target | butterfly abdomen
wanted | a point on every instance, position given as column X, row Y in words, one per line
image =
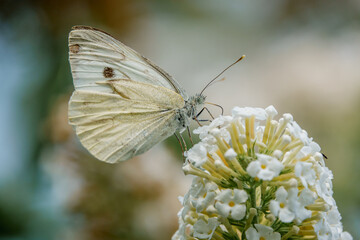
column 182, row 119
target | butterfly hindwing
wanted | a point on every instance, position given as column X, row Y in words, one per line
column 115, row 127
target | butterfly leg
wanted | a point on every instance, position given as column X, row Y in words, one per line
column 202, row 120
column 197, row 120
column 198, row 114
column 217, row 105
column 182, row 145
column 182, row 139
column 209, row 112
column 189, row 133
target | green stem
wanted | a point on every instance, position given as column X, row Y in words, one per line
column 253, row 201
column 252, row 214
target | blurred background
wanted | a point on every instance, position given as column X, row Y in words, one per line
column 302, row 57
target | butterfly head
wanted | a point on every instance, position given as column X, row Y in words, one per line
column 199, row 99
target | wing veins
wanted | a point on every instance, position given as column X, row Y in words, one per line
column 135, row 136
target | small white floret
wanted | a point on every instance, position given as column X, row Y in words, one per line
column 231, row 203
column 265, row 167
column 205, row 230
column 247, row 112
column 215, row 132
column 230, row 154
column 282, row 206
column 197, row 155
column 271, row 111
column 262, row 232
column 306, row 173
column 288, row 117
column 346, row 236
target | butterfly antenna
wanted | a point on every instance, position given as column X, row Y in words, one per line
column 220, row 80
column 241, row 58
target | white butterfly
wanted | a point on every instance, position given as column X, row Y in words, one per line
column 123, row 104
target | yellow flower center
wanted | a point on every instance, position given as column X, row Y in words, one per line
column 282, row 205
column 262, row 238
column 263, row 166
column 231, row 204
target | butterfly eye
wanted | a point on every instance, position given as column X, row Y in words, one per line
column 108, row 72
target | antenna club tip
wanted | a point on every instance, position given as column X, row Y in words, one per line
column 241, row 58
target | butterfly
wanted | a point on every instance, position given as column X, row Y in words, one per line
column 123, row 104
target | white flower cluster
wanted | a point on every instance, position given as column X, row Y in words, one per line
column 258, row 179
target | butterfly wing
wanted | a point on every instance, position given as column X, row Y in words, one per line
column 95, row 55
column 123, row 104
column 119, row 125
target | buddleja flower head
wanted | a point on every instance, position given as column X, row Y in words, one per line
column 258, row 178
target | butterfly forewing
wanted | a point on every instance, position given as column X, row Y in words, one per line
column 122, row 104
column 96, row 56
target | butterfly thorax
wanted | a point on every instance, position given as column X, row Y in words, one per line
column 189, row 111
column 192, row 105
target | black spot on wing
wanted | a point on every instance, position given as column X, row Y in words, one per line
column 75, row 48
column 108, row 72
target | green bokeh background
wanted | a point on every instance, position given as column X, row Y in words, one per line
column 302, row 57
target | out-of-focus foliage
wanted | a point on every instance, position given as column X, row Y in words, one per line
column 302, row 56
